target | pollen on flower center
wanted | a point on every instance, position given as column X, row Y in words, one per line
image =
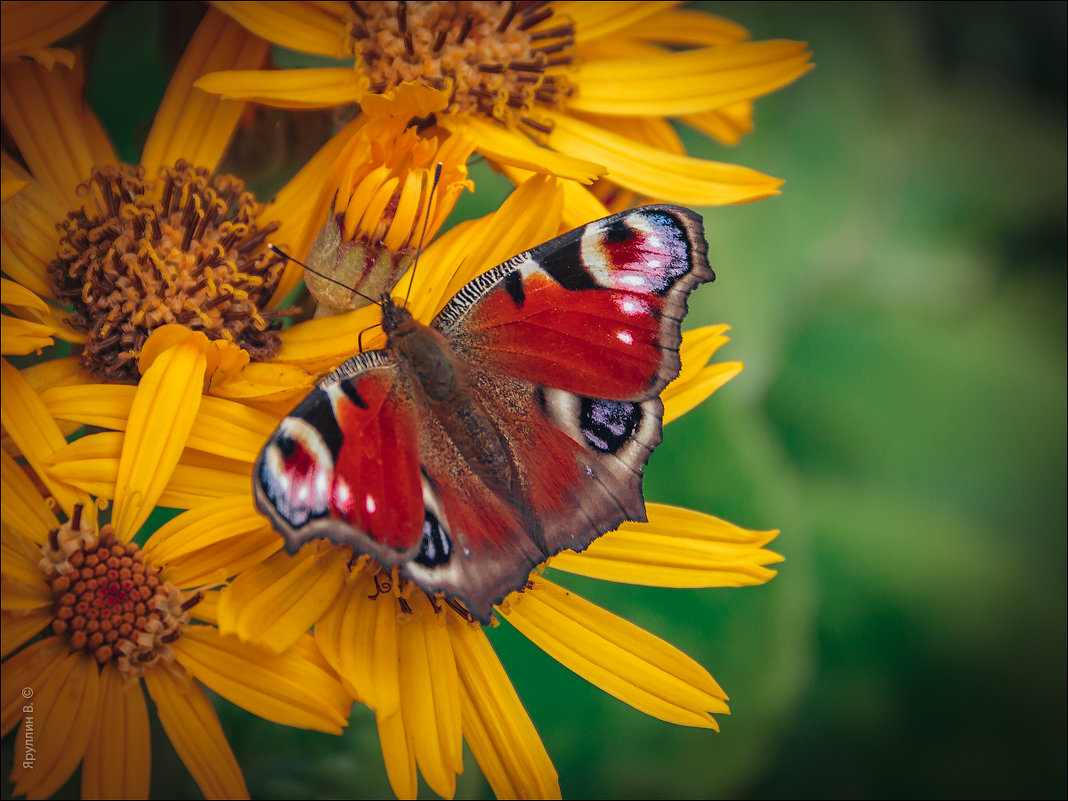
column 108, row 601
column 191, row 253
column 496, row 62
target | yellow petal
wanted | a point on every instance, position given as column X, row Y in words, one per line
column 23, row 507
column 727, row 124
column 688, row 81
column 161, row 417
column 12, row 294
column 656, row 174
column 273, row 603
column 684, row 26
column 398, row 754
column 38, row 105
column 30, row 237
column 222, row 427
column 289, row 688
column 33, row 430
column 404, row 101
column 676, row 548
column 121, row 727
column 55, row 372
column 594, row 20
column 191, row 123
column 65, row 705
column 32, row 668
column 10, row 184
column 91, row 464
column 212, row 542
column 581, row 206
column 503, row 145
column 194, row 730
column 316, row 87
column 21, row 596
column 496, row 726
column 358, row 637
column 430, row 696
column 317, row 28
column 321, row 345
column 22, row 337
column 697, row 380
column 684, row 397
column 622, row 659
column 33, row 25
column 18, row 629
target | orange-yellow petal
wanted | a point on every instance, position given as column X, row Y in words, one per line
column 222, row 427
column 121, row 727
column 358, row 637
column 315, row 87
column 194, row 730
column 496, row 726
column 398, row 754
column 430, row 701
column 622, row 659
column 33, row 430
column 161, row 416
column 688, row 81
column 505, row 146
column 212, row 542
column 65, row 706
column 273, row 603
column 291, row 688
column 596, row 20
column 192, row 124
column 656, row 174
column 676, row 548
column 318, row 28
column 18, row 629
column 91, row 464
column 29, row 25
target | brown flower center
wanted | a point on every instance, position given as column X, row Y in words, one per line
column 496, row 61
column 108, row 602
column 190, row 254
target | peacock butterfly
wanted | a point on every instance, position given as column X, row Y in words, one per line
column 514, row 426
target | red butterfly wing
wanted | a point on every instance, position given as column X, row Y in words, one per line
column 345, row 464
column 566, row 349
column 595, row 311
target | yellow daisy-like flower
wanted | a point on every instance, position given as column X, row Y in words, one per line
column 592, row 82
column 117, row 617
column 420, row 662
column 28, row 28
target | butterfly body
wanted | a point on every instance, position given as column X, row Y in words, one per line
column 516, row 425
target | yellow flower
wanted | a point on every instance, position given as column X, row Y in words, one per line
column 117, row 617
column 592, row 82
column 29, row 27
column 421, row 662
column 379, row 203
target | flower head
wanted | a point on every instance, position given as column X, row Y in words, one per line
column 115, row 615
column 380, row 202
column 578, row 90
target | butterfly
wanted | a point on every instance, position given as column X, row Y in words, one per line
column 516, row 425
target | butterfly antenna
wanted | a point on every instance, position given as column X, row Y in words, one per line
column 422, row 236
column 287, row 257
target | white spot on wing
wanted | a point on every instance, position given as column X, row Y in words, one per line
column 370, row 505
column 625, row 337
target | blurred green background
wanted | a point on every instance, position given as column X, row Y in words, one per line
column 902, row 419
